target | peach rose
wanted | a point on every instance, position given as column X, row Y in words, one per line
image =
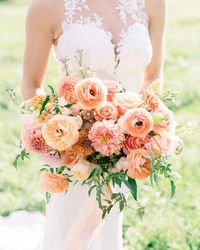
column 134, row 143
column 53, row 183
column 70, row 158
column 127, row 100
column 166, row 117
column 82, row 170
column 137, row 122
column 113, row 89
column 108, row 112
column 60, row 132
column 66, row 88
column 91, row 93
column 138, row 164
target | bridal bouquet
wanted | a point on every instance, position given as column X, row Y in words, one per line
column 92, row 131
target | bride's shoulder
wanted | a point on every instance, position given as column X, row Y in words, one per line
column 156, row 9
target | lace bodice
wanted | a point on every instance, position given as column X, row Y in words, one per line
column 112, row 35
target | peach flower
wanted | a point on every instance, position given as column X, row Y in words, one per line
column 134, row 143
column 138, row 164
column 66, row 88
column 60, row 132
column 113, row 89
column 137, row 122
column 91, row 93
column 70, row 158
column 152, row 100
column 167, row 122
column 108, row 112
column 53, row 183
column 127, row 100
column 82, row 170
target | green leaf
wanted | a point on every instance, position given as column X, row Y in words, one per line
column 47, row 99
column 121, row 206
column 51, row 89
column 90, row 189
column 173, row 188
column 69, row 105
column 133, row 187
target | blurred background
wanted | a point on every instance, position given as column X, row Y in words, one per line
column 165, row 224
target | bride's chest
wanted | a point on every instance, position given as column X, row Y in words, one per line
column 117, row 43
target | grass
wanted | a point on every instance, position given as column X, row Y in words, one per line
column 166, row 224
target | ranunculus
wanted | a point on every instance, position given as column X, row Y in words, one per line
column 82, row 170
column 122, row 164
column 164, row 143
column 127, row 100
column 33, row 140
column 108, row 112
column 53, row 183
column 166, row 116
column 66, row 88
column 70, row 158
column 138, row 164
column 91, row 93
column 113, row 89
column 137, row 122
column 60, row 132
column 134, row 143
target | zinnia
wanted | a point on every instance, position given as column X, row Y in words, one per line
column 106, row 137
column 108, row 112
column 127, row 100
column 137, row 122
column 53, row 183
column 91, row 93
column 138, row 164
column 60, row 132
column 66, row 88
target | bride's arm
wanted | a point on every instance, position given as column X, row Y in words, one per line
column 157, row 16
column 40, row 33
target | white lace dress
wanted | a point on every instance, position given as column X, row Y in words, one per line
column 115, row 43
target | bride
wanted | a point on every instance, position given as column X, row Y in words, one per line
column 120, row 40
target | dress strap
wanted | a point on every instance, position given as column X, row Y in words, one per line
column 136, row 9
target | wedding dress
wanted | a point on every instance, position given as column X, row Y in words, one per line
column 72, row 217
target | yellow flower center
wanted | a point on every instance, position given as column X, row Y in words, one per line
column 104, row 138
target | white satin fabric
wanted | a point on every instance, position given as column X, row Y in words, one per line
column 73, row 219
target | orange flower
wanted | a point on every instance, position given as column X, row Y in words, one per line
column 127, row 100
column 53, row 183
column 83, row 145
column 66, row 88
column 152, row 100
column 91, row 93
column 108, row 112
column 70, row 158
column 137, row 122
column 61, row 132
column 138, row 164
column 113, row 89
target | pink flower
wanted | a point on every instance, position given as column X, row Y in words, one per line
column 134, row 143
column 53, row 183
column 108, row 112
column 33, row 140
column 66, row 88
column 139, row 164
column 113, row 89
column 166, row 117
column 106, row 137
column 137, row 122
column 53, row 159
column 122, row 164
column 127, row 100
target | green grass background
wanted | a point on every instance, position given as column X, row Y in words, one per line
column 166, row 224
